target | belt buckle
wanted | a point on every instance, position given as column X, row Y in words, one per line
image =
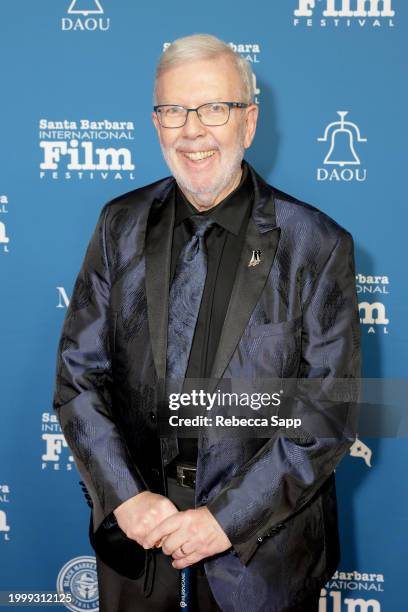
column 186, row 476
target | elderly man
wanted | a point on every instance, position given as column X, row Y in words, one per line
column 208, row 274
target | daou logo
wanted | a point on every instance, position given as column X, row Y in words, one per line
column 349, row 11
column 342, row 138
column 85, row 15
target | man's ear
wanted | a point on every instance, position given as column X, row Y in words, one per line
column 155, row 121
column 251, row 118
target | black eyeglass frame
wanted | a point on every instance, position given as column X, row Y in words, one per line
column 172, row 127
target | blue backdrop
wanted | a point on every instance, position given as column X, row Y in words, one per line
column 76, row 92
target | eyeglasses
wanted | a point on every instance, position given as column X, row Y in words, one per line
column 211, row 113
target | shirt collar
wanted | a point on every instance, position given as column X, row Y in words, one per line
column 229, row 213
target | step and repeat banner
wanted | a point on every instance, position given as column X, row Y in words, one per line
column 76, row 99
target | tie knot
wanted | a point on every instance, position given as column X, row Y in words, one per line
column 200, row 224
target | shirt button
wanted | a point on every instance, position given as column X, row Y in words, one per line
column 260, row 539
column 152, row 417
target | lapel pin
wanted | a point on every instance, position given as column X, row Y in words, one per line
column 255, row 259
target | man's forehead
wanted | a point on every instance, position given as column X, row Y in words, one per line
column 194, row 81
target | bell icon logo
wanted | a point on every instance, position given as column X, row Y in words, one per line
column 85, row 15
column 81, row 7
column 344, row 131
column 342, row 137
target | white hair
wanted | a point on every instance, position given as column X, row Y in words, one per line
column 201, row 47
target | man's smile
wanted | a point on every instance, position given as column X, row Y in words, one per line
column 198, row 155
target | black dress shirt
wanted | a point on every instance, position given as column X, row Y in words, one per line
column 224, row 242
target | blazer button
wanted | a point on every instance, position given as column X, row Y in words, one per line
column 152, row 417
column 260, row 539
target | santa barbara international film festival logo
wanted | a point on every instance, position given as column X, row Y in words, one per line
column 84, row 150
column 78, row 578
column 249, row 51
column 56, row 455
column 374, row 14
column 352, row 592
column 4, row 502
column 4, row 238
column 85, row 16
column 371, row 291
column 342, row 160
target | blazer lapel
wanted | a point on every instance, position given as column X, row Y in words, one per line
column 159, row 237
column 262, row 234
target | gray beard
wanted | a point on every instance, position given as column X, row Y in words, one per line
column 213, row 191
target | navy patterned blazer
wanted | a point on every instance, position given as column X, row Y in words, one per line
column 293, row 315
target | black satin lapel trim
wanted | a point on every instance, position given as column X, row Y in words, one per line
column 248, row 286
column 159, row 238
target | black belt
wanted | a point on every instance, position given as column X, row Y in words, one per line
column 183, row 473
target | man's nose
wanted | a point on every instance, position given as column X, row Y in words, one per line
column 193, row 126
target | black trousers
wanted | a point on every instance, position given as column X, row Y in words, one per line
column 119, row 594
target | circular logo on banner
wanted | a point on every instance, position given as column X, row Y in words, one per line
column 79, row 578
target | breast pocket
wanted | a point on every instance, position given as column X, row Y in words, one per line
column 272, row 349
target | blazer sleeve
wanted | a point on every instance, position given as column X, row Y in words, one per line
column 82, row 394
column 287, row 472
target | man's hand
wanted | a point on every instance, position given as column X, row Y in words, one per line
column 140, row 514
column 189, row 536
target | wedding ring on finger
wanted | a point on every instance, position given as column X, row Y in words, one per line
column 179, row 553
